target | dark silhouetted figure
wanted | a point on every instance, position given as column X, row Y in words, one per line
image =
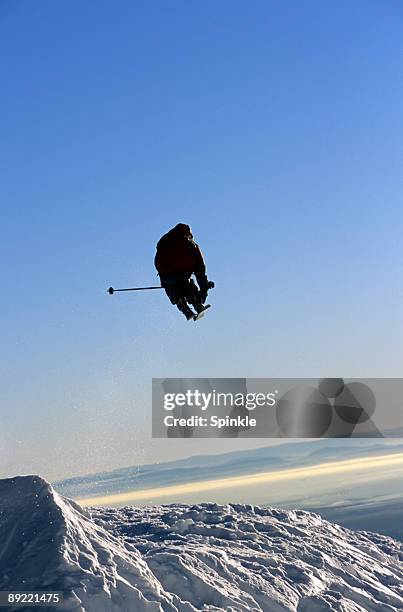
column 177, row 258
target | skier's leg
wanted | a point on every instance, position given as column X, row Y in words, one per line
column 183, row 306
column 182, row 300
column 175, row 293
column 172, row 293
column 193, row 296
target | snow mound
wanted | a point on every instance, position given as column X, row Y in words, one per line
column 49, row 542
column 243, row 557
column 181, row 558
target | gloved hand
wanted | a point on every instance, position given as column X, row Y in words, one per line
column 204, row 289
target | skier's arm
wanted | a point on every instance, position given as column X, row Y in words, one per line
column 200, row 268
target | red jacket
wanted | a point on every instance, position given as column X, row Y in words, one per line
column 177, row 253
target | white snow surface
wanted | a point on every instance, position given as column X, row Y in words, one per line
column 181, row 558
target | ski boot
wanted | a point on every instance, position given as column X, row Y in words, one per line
column 185, row 309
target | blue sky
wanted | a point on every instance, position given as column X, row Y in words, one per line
column 274, row 129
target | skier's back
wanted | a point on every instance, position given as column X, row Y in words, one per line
column 177, row 258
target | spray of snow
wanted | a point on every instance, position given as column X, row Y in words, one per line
column 184, row 558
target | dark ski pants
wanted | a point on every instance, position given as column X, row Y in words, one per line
column 182, row 291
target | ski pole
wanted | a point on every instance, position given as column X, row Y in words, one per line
column 111, row 290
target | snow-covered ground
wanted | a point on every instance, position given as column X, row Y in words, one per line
column 186, row 558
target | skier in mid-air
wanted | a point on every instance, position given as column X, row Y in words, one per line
column 177, row 258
